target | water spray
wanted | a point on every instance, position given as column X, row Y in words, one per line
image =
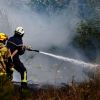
column 62, row 58
column 68, row 59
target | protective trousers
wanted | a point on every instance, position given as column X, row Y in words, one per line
column 22, row 70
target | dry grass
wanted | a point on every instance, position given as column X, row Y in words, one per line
column 82, row 91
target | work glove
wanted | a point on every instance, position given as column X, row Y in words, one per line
column 29, row 48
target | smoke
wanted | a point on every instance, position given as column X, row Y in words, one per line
column 44, row 32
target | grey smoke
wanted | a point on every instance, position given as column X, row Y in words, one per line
column 42, row 32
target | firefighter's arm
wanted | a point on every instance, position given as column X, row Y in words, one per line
column 20, row 48
column 11, row 67
column 10, row 62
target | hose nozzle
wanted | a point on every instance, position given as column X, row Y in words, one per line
column 35, row 50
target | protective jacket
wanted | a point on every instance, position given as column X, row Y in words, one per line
column 6, row 65
column 15, row 43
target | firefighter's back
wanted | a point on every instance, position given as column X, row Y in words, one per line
column 4, row 55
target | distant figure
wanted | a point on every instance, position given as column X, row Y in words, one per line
column 6, row 64
column 16, row 43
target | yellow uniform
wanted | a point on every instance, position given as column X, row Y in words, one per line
column 6, row 65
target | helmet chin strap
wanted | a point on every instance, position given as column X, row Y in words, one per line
column 19, row 36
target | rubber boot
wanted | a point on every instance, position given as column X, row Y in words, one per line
column 24, row 86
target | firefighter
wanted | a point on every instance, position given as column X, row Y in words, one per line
column 6, row 64
column 15, row 43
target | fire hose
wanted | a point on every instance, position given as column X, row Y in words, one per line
column 27, row 49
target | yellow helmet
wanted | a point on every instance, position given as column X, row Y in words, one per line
column 3, row 37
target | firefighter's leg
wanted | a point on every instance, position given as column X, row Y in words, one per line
column 20, row 68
